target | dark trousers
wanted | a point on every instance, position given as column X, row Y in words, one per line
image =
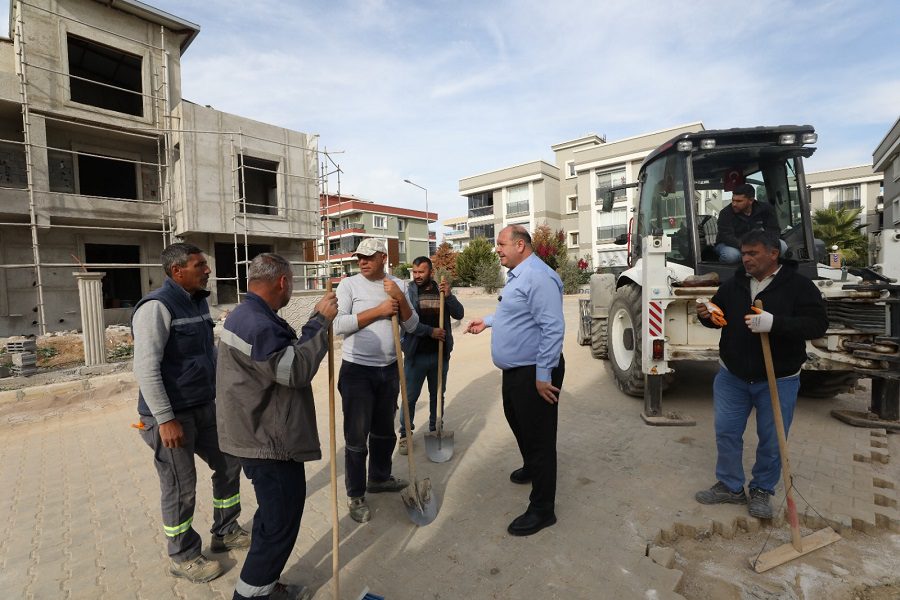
column 178, row 479
column 280, row 495
column 533, row 421
column 369, row 400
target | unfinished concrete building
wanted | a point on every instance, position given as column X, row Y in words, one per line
column 103, row 163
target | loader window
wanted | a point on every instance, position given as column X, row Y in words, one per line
column 662, row 208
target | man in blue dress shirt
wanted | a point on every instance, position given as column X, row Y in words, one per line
column 527, row 339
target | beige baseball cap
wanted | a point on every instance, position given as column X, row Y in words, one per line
column 370, row 246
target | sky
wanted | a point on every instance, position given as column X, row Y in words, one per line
column 437, row 91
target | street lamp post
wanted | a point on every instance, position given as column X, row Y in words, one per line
column 427, row 219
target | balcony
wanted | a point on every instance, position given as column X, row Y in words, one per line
column 517, row 208
column 846, row 204
column 347, row 228
column 611, row 232
column 482, row 211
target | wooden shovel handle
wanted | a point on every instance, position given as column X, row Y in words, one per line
column 440, row 378
column 782, row 438
column 395, row 322
column 332, row 454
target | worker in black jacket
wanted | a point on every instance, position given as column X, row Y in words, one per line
column 793, row 311
column 743, row 215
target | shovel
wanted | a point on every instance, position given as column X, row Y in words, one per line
column 439, row 443
column 419, row 499
column 799, row 546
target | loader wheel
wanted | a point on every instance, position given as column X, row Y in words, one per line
column 625, row 339
column 826, row 384
column 599, row 338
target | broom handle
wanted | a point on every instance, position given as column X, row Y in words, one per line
column 782, row 439
column 332, row 451
column 409, row 437
column 440, row 382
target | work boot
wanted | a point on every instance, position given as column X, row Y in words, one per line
column 759, row 506
column 359, row 509
column 391, row 484
column 235, row 540
column 719, row 494
column 402, row 445
column 197, row 570
column 290, row 592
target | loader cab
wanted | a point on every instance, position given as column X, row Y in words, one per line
column 688, row 181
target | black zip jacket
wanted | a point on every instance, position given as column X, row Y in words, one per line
column 799, row 315
column 733, row 226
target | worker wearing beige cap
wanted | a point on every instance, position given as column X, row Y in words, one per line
column 369, row 381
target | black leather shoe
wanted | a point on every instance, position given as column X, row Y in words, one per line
column 520, row 476
column 530, row 522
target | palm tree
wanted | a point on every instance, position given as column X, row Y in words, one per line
column 840, row 227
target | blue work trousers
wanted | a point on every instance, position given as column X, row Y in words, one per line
column 418, row 368
column 280, row 496
column 733, row 399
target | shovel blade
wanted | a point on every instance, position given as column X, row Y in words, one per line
column 420, row 502
column 439, row 446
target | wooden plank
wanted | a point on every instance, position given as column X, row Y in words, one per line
column 786, row 552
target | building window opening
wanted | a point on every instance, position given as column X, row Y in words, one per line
column 105, row 77
column 107, row 177
column 258, row 180
column 121, row 286
column 226, row 287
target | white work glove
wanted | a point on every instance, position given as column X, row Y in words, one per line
column 761, row 322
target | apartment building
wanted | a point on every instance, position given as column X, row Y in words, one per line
column 885, row 232
column 458, row 234
column 104, row 163
column 566, row 195
column 525, row 194
column 847, row 187
column 352, row 219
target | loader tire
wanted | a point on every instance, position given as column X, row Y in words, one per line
column 599, row 338
column 624, row 341
column 826, row 384
column 624, row 345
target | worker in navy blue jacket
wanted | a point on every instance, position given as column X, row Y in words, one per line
column 267, row 416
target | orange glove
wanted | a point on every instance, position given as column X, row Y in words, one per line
column 716, row 314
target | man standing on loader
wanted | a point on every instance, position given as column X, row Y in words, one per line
column 793, row 311
column 737, row 219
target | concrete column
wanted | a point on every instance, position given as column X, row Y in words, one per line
column 90, row 295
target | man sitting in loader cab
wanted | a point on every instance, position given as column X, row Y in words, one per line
column 742, row 216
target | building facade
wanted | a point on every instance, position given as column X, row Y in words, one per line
column 458, row 234
column 351, row 220
column 568, row 194
column 105, row 163
column 885, row 224
column 848, row 188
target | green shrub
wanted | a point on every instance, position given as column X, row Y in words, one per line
column 469, row 261
column 402, row 270
column 489, row 277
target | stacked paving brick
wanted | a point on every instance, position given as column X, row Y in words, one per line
column 24, row 356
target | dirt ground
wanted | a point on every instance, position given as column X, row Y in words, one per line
column 858, row 567
column 66, row 349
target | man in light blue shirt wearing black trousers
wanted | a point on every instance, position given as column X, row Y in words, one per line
column 528, row 329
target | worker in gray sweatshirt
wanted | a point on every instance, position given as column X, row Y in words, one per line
column 369, row 381
column 175, row 367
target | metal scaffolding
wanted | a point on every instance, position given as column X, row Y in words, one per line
column 162, row 132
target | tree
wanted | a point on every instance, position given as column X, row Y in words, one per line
column 444, row 262
column 550, row 246
column 402, row 270
column 840, row 227
column 468, row 263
